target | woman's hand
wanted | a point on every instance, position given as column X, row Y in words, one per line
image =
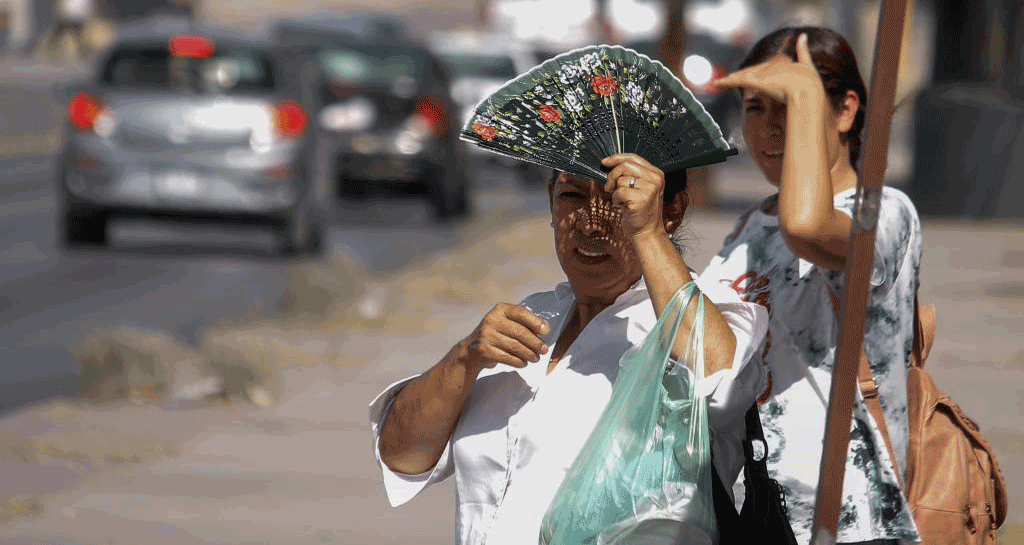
column 637, row 188
column 508, row 334
column 664, row 269
column 779, row 77
column 424, row 412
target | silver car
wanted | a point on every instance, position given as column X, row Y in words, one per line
column 188, row 123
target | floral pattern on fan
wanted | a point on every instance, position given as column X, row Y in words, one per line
column 575, row 109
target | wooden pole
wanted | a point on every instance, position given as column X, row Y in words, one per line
column 859, row 261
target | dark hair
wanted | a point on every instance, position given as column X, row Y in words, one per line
column 836, row 64
column 675, row 182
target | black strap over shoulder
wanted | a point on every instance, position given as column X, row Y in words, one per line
column 763, row 516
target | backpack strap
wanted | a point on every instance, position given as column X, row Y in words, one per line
column 868, row 386
column 924, row 327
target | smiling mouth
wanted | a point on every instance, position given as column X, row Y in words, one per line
column 592, row 255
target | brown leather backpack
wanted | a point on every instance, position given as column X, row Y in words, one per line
column 954, row 486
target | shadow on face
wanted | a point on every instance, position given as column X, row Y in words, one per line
column 591, row 245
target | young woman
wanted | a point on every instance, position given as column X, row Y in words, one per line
column 803, row 111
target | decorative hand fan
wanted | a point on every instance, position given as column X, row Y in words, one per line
column 571, row 111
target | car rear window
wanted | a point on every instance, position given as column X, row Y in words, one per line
column 227, row 69
column 481, row 66
column 372, row 64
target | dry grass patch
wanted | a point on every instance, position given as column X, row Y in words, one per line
column 127, row 363
column 315, row 290
column 481, row 272
column 247, row 361
column 92, row 449
column 501, row 256
column 19, row 507
column 324, row 304
column 237, row 362
column 501, row 250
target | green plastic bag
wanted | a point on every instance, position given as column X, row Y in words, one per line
column 644, row 474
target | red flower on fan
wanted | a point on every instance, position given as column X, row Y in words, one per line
column 550, row 114
column 486, row 132
column 604, row 85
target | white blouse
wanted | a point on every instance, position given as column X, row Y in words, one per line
column 521, row 429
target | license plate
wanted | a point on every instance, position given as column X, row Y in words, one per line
column 180, row 183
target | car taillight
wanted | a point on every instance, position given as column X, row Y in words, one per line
column 716, row 74
column 434, row 113
column 83, row 109
column 189, row 46
column 290, row 119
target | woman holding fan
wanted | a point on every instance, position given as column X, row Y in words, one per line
column 509, row 407
column 803, row 111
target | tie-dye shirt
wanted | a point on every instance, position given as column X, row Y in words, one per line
column 800, row 350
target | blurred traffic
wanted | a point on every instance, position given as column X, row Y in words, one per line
column 161, row 156
column 250, row 114
column 374, row 98
column 382, row 105
column 180, row 120
column 183, row 120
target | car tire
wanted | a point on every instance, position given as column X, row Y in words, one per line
column 288, row 248
column 84, row 228
column 450, row 203
column 315, row 242
column 296, row 232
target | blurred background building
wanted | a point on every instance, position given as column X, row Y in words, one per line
column 969, row 153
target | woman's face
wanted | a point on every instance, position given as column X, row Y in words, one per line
column 592, row 248
column 764, row 131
